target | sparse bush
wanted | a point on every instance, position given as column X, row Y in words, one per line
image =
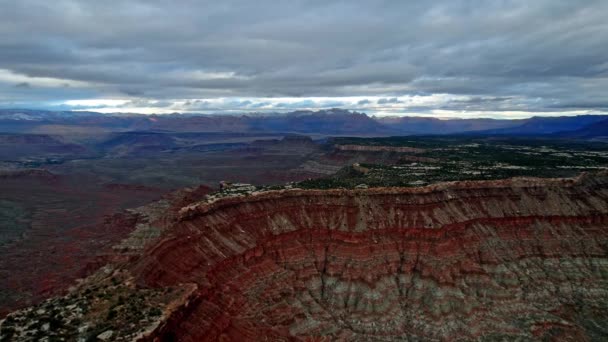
column 111, row 314
column 156, row 312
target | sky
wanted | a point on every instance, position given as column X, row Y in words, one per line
column 452, row 58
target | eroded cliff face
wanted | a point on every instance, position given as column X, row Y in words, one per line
column 522, row 258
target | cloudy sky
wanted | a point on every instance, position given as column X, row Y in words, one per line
column 447, row 58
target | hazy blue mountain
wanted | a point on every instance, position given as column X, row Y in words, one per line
column 548, row 125
column 422, row 125
column 325, row 122
column 598, row 129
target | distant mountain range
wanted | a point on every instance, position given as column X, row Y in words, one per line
column 548, row 125
column 421, row 125
column 324, row 122
column 598, row 129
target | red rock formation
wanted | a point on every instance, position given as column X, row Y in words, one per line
column 500, row 259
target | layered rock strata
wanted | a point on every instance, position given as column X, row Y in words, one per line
column 518, row 259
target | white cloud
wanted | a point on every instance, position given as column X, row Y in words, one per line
column 10, row 77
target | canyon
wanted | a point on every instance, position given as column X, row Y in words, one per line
column 523, row 258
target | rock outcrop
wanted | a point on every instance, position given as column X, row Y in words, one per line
column 522, row 258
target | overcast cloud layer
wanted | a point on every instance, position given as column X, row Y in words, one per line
column 442, row 58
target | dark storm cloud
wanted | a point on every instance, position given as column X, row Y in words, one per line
column 533, row 55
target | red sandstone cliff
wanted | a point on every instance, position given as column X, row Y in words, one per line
column 522, row 258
